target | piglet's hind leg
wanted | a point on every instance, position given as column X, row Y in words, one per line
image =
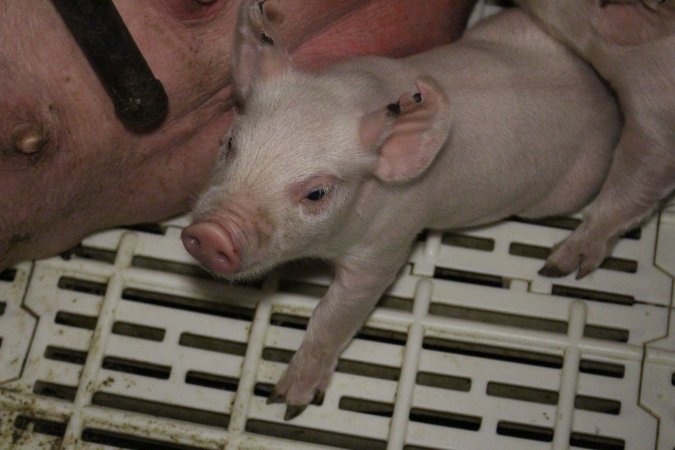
column 642, row 174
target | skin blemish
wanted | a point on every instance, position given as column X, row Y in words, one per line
column 417, row 98
column 239, row 105
column 266, row 39
column 193, row 12
column 394, row 109
column 17, row 240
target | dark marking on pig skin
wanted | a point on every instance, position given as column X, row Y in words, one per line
column 266, row 39
column 604, row 3
column 8, row 246
column 193, row 12
column 19, row 238
column 265, row 223
column 239, row 105
column 417, row 98
column 260, row 5
column 394, row 109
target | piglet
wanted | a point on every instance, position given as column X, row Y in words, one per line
column 349, row 164
column 631, row 43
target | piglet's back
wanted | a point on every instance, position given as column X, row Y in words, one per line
column 528, row 117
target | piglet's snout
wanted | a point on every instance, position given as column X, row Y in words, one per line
column 212, row 245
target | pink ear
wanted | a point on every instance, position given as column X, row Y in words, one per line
column 408, row 133
column 258, row 52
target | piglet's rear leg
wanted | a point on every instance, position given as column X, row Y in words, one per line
column 642, row 174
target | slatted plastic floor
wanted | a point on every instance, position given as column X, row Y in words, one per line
column 126, row 343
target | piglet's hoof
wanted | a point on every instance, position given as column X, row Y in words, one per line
column 581, row 252
column 551, row 271
column 293, row 411
column 304, row 383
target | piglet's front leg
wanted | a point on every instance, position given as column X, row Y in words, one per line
column 350, row 298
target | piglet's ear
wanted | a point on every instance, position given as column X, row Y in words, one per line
column 258, row 52
column 408, row 133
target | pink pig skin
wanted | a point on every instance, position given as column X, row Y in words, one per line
column 350, row 163
column 631, row 43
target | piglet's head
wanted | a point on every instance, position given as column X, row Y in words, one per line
column 290, row 179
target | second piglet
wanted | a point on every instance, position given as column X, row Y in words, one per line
column 351, row 163
column 631, row 43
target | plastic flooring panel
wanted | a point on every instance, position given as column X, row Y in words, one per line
column 126, row 343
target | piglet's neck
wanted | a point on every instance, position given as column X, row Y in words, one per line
column 359, row 86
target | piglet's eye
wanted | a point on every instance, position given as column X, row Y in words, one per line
column 316, row 194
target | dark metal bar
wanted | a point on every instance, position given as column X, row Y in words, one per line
column 139, row 98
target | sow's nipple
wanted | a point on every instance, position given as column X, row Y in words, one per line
column 28, row 138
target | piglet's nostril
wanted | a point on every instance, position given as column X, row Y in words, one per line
column 213, row 246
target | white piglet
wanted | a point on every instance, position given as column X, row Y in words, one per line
column 349, row 164
column 631, row 43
